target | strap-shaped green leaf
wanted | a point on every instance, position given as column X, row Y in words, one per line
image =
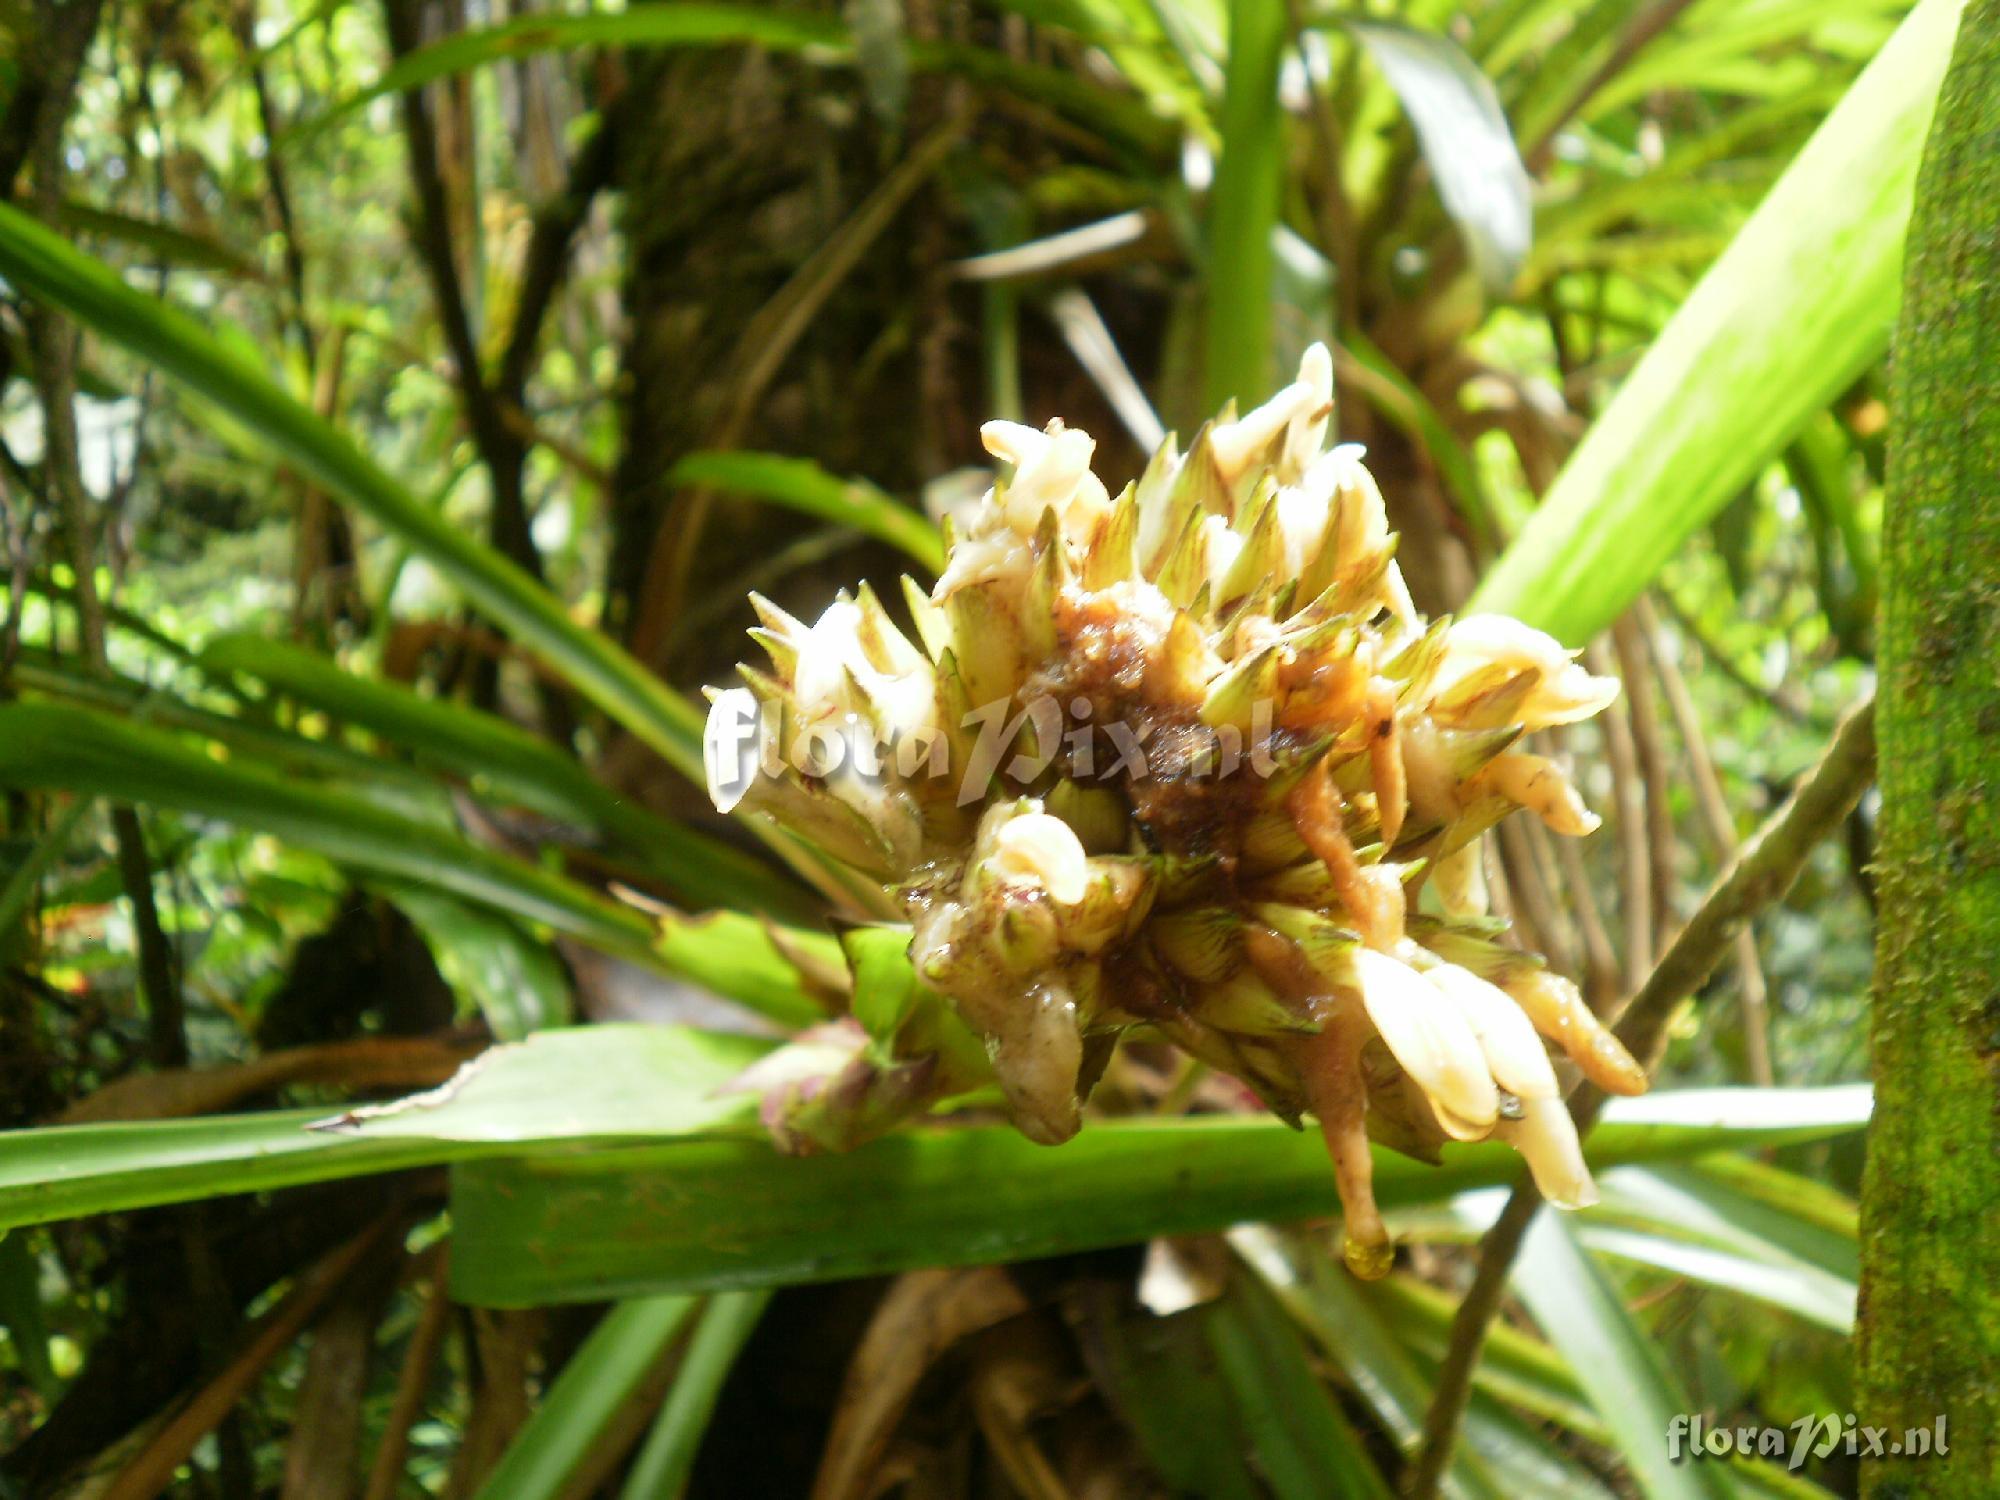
column 1795, row 308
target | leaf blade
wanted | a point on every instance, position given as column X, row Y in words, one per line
column 664, row 1463
column 516, row 983
column 641, row 1081
column 802, row 485
column 38, row 262
column 577, row 1413
column 1465, row 138
column 50, row 746
column 1243, row 209
column 1798, row 304
column 484, row 747
column 1582, row 1315
column 555, row 1228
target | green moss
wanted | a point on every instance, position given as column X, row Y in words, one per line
column 1929, row 1331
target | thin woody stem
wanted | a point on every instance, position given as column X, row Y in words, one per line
column 1635, row 881
column 1714, row 809
column 1476, row 1311
column 1761, row 873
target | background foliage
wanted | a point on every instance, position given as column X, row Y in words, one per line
column 398, row 401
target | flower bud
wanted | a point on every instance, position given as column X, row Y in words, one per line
column 1564, row 690
column 1541, row 786
column 1431, row 1039
column 1297, row 415
column 1039, row 850
column 1514, row 1053
column 1546, row 1136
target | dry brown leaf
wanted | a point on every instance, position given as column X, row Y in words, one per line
column 924, row 1314
column 1020, row 1371
column 322, row 1455
column 385, row 1476
column 367, row 1063
column 152, row 1469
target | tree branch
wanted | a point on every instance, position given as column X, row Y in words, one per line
column 1762, row 872
column 274, row 178
column 1641, row 32
column 501, row 451
column 1927, row 1331
column 1635, row 886
column 53, row 343
column 766, row 342
column 1782, row 697
column 1714, row 808
column 555, row 229
column 47, row 78
column 492, row 406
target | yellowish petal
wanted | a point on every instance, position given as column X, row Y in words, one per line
column 1566, row 693
column 1042, row 850
column 1557, row 1010
column 1237, row 444
column 1428, row 1037
column 1514, row 1051
column 1459, row 878
column 1306, row 432
column 1543, row 787
column 1546, row 1137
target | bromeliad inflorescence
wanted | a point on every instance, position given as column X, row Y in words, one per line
column 1180, row 763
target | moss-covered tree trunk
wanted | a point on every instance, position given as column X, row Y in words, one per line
column 1929, row 1339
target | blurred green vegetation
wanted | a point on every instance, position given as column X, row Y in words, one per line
column 426, row 446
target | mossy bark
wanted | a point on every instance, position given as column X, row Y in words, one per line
column 1929, row 1333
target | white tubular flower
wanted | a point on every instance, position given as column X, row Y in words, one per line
column 1039, row 849
column 1567, row 691
column 1298, row 413
column 1514, row 1051
column 1361, row 524
column 1015, row 443
column 1396, row 594
column 1541, row 786
column 834, row 662
column 991, row 554
column 1364, row 517
column 1557, row 1009
column 830, row 648
column 1302, row 513
column 1459, row 878
column 1433, row 1042
column 1220, row 547
column 1305, row 434
column 1051, row 472
column 1546, row 1137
